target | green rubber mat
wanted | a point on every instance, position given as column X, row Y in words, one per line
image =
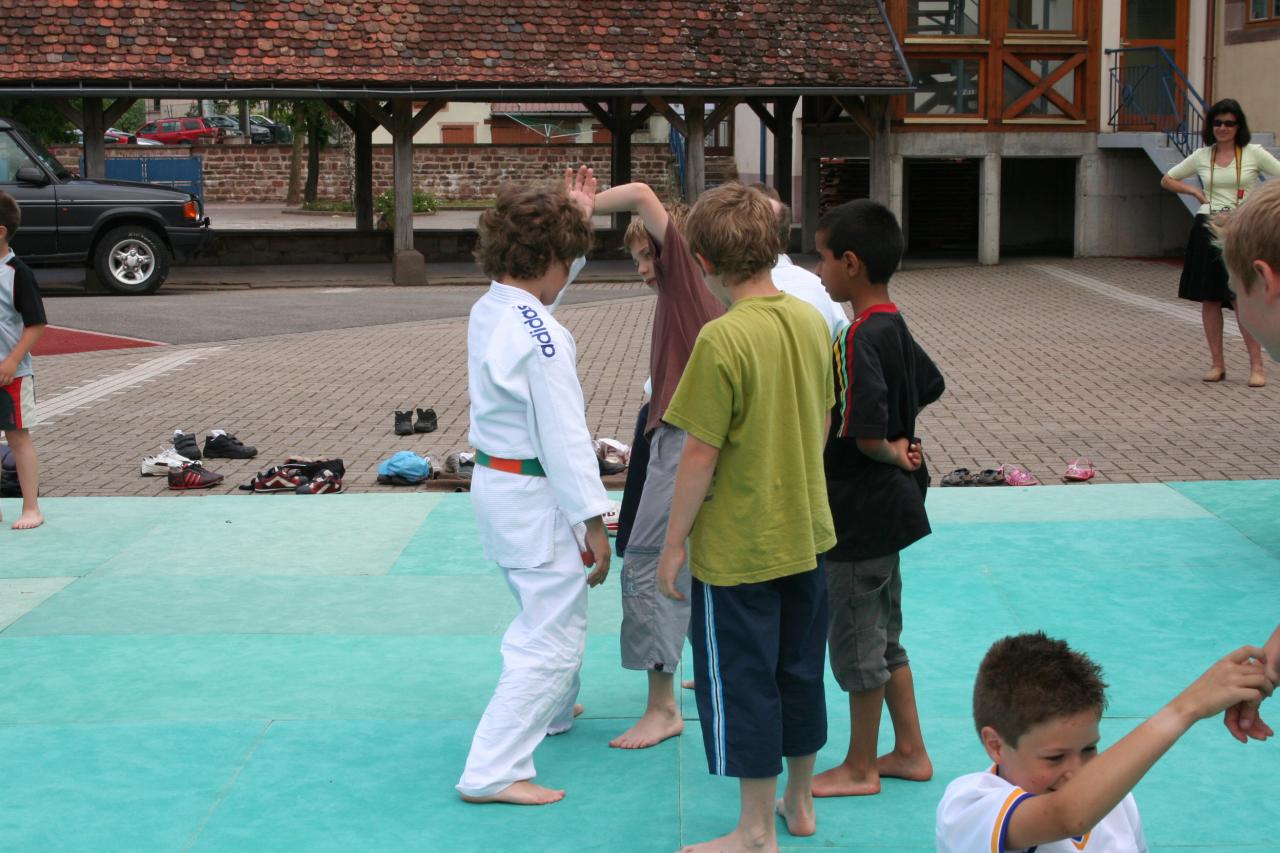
column 256, row 673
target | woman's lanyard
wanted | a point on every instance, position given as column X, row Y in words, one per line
column 1213, row 162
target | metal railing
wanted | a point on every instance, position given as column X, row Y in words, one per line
column 1149, row 92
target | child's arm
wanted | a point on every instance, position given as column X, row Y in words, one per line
column 929, row 377
column 900, row 452
column 1101, row 784
column 693, row 480
column 640, row 199
column 9, row 366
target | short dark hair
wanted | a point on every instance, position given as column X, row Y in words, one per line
column 1027, row 679
column 527, row 229
column 1226, row 105
column 870, row 231
column 10, row 215
column 784, row 212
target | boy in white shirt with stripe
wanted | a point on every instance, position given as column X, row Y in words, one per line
column 1037, row 704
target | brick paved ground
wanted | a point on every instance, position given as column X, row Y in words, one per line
column 1038, row 367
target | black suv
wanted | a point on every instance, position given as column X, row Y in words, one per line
column 128, row 232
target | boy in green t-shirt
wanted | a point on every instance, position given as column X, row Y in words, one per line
column 754, row 401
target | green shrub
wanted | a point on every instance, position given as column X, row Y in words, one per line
column 385, row 203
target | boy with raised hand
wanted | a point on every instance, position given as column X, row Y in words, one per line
column 753, row 401
column 1036, row 706
column 536, row 479
column 654, row 627
column 22, row 322
column 876, row 483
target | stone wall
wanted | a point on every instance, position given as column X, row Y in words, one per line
column 260, row 173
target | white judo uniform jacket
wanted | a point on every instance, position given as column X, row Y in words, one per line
column 526, row 403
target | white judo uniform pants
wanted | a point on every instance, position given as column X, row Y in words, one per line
column 541, row 660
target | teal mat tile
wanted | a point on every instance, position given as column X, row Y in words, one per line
column 389, row 786
column 1106, row 547
column 276, row 605
column 214, row 677
column 1251, row 507
column 116, row 787
column 274, row 535
column 79, row 534
column 19, row 596
column 445, row 543
column 978, row 505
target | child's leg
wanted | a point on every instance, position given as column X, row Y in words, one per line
column 653, row 626
column 735, row 640
column 801, row 661
column 24, row 454
column 908, row 760
column 542, row 656
column 861, row 605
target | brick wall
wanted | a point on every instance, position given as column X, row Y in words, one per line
column 241, row 173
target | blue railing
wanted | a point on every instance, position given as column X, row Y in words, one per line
column 1149, row 92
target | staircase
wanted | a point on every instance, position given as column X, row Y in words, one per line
column 1154, row 107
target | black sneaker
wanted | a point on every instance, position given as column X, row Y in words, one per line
column 404, row 423
column 186, row 444
column 426, row 421
column 227, row 446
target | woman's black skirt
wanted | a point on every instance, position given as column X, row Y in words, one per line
column 1204, row 275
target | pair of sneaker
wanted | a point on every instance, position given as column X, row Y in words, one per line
column 192, row 475
column 326, row 482
column 218, row 444
column 426, row 422
column 161, row 463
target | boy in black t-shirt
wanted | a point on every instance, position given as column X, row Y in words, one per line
column 876, row 481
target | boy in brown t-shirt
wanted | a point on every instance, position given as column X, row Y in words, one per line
column 653, row 626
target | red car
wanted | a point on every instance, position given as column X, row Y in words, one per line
column 181, row 131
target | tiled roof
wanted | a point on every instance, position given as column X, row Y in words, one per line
column 484, row 43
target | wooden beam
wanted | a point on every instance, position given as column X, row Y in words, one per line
column 94, row 127
column 695, row 142
column 620, row 152
column 429, row 109
column 857, row 111
column 602, row 115
column 783, row 143
column 664, row 109
column 118, row 107
column 363, row 195
column 718, row 114
column 1043, row 86
column 68, row 112
column 379, row 112
column 408, row 266
column 341, row 111
column 758, row 107
column 641, row 115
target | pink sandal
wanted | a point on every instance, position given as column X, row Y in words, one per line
column 1016, row 475
column 1079, row 471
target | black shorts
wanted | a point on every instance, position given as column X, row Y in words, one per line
column 758, row 657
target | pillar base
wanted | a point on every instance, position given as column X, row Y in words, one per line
column 409, row 267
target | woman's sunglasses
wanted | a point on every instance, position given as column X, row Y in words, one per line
column 1224, row 122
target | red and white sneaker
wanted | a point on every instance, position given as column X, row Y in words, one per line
column 611, row 518
column 277, row 480
column 193, row 475
column 324, row 483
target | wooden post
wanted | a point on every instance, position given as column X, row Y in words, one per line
column 363, row 201
column 94, row 127
column 620, row 153
column 879, row 166
column 783, row 143
column 695, row 164
column 408, row 265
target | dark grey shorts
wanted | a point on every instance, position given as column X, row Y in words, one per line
column 865, row 605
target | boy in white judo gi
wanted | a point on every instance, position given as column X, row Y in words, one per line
column 536, row 477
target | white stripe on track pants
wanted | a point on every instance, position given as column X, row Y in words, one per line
column 541, row 660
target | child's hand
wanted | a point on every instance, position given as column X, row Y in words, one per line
column 7, row 370
column 1242, row 719
column 1272, row 652
column 581, row 187
column 1238, row 677
column 908, row 455
column 668, row 568
column 601, row 553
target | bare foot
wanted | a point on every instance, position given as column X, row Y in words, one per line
column 735, row 842
column 842, row 781
column 523, row 793
column 29, row 520
column 577, row 712
column 913, row 768
column 800, row 818
column 653, row 728
column 688, row 684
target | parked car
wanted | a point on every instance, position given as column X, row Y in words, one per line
column 279, row 132
column 181, row 131
column 129, row 233
column 119, row 137
column 231, row 127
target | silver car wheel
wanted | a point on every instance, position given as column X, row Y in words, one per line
column 131, row 261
